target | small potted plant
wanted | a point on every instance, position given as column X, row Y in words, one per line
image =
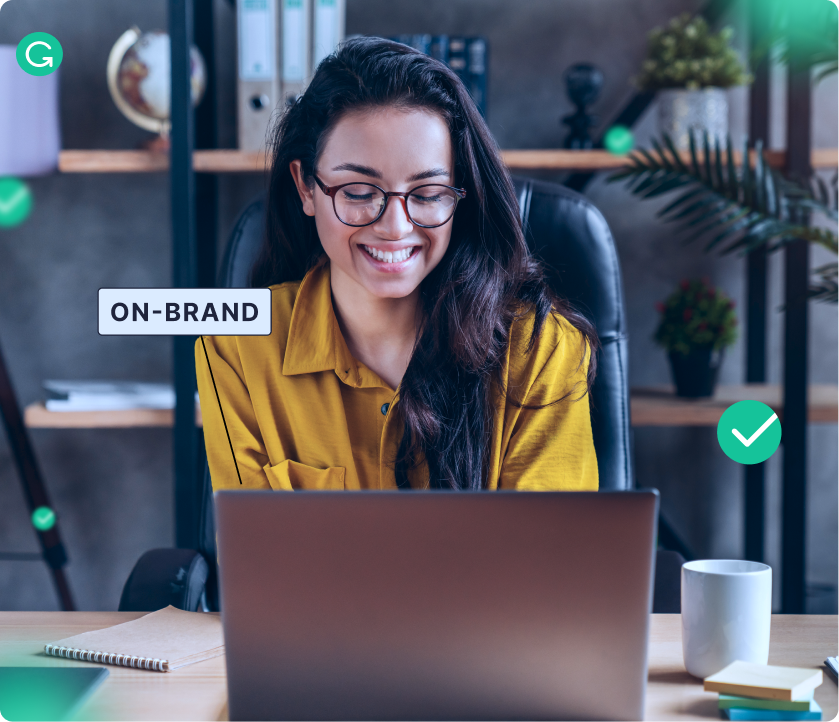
column 697, row 323
column 691, row 67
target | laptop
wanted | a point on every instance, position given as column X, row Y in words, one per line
column 436, row 605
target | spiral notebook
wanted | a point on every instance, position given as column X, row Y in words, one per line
column 161, row 641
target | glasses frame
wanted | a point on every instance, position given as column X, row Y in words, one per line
column 460, row 194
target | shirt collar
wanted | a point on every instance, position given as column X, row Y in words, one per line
column 315, row 342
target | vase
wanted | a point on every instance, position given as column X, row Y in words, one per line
column 680, row 111
column 695, row 374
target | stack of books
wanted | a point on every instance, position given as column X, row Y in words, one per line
column 765, row 692
column 108, row 395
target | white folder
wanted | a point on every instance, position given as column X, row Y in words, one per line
column 297, row 47
column 329, row 28
column 258, row 86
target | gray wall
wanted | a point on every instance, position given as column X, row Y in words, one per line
column 113, row 488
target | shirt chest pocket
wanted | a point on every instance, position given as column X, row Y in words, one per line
column 290, row 476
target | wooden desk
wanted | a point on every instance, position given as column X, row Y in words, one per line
column 198, row 692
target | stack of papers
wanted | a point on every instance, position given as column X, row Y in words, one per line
column 765, row 692
column 108, row 395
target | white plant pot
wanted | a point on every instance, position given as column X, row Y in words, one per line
column 680, row 111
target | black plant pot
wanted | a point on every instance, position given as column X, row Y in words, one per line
column 695, row 374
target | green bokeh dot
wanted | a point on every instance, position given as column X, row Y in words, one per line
column 43, row 518
column 15, row 202
column 619, row 140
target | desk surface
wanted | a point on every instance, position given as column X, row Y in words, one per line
column 198, row 691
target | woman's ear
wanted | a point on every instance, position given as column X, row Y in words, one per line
column 306, row 193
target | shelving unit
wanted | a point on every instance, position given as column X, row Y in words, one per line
column 193, row 164
column 236, row 161
column 650, row 406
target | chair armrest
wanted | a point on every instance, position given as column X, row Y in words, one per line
column 165, row 576
column 667, row 588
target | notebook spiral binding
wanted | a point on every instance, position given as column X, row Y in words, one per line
column 124, row 660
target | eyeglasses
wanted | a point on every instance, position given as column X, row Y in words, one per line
column 360, row 204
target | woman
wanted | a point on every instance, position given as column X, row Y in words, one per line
column 422, row 348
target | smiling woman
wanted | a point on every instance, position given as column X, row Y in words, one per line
column 415, row 343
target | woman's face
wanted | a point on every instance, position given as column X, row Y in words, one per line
column 397, row 150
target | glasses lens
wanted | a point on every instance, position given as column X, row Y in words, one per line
column 432, row 205
column 358, row 204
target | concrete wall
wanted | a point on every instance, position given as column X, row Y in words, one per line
column 113, row 488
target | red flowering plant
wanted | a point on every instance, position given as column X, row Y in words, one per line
column 696, row 315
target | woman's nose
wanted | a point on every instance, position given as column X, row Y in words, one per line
column 394, row 223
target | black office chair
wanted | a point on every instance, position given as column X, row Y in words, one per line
column 572, row 239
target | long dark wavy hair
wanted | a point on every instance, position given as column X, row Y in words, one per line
column 486, row 279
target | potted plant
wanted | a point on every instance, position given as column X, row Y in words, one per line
column 697, row 324
column 691, row 67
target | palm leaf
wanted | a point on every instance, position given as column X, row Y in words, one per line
column 736, row 208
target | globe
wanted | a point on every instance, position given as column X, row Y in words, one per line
column 139, row 78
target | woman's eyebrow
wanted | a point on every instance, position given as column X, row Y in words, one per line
column 431, row 173
column 373, row 173
column 363, row 169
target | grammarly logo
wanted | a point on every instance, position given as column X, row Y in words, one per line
column 39, row 54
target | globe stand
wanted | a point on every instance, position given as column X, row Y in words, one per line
column 158, row 144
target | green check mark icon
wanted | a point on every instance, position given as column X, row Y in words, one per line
column 743, row 417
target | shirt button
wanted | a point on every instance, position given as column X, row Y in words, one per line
column 385, row 407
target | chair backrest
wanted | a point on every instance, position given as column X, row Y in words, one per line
column 571, row 237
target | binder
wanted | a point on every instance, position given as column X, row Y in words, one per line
column 258, row 86
column 329, row 28
column 297, row 47
column 476, row 72
column 466, row 56
column 457, row 58
column 439, row 49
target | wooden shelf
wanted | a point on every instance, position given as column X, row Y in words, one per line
column 658, row 406
column 235, row 161
column 651, row 406
column 146, row 161
column 36, row 416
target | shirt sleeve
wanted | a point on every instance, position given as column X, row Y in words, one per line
column 224, row 373
column 551, row 448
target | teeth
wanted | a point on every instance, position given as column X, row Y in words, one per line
column 390, row 256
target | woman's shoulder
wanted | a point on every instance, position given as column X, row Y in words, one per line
column 558, row 351
column 283, row 296
column 555, row 333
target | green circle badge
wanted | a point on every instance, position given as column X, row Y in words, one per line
column 749, row 432
column 39, row 54
column 43, row 518
column 15, row 202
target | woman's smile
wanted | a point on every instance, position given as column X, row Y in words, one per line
column 390, row 259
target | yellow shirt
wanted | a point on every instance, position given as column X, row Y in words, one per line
column 302, row 413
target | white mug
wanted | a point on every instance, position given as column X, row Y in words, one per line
column 726, row 613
